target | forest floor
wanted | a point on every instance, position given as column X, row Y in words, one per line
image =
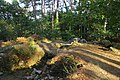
column 98, row 64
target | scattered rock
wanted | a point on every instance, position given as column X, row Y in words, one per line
column 74, row 39
column 105, row 43
column 29, row 77
column 83, row 41
column 37, row 71
column 77, row 40
column 116, row 45
column 2, row 54
column 1, row 73
column 115, row 50
column 95, row 42
column 65, row 46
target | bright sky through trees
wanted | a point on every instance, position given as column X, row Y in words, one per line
column 10, row 1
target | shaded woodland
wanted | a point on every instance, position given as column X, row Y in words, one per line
column 60, row 40
column 62, row 19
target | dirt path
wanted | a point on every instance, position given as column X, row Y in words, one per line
column 100, row 65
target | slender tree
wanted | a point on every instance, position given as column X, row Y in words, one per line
column 57, row 15
column 43, row 7
column 53, row 1
column 71, row 5
column 34, row 8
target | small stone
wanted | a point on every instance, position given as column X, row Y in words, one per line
column 52, row 78
column 37, row 71
column 2, row 54
column 1, row 73
column 29, row 77
column 46, row 78
column 36, row 77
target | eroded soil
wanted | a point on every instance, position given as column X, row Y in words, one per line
column 98, row 64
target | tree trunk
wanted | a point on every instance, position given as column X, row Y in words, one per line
column 43, row 7
column 57, row 15
column 71, row 5
column 53, row 14
column 79, row 6
column 34, row 8
column 105, row 25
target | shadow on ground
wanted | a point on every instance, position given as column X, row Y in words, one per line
column 86, row 55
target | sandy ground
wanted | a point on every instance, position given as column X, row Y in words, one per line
column 98, row 64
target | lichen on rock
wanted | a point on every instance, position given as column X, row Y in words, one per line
column 24, row 55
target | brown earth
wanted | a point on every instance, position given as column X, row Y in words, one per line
column 98, row 64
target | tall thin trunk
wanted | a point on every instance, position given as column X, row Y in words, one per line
column 105, row 25
column 79, row 7
column 34, row 8
column 57, row 15
column 65, row 5
column 43, row 7
column 71, row 5
column 53, row 14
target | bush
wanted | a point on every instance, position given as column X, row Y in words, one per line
column 63, row 65
column 24, row 55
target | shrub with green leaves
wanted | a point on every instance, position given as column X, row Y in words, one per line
column 64, row 65
column 24, row 55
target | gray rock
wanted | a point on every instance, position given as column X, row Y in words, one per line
column 2, row 54
column 116, row 45
column 83, row 41
column 74, row 39
column 1, row 73
column 77, row 40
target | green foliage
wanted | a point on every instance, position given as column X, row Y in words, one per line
column 70, row 65
column 6, row 30
column 69, row 25
column 24, row 55
column 65, row 66
column 100, row 11
column 87, row 21
column 67, row 35
column 25, row 50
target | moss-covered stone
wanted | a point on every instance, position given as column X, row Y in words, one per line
column 22, row 40
column 106, row 43
column 24, row 56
